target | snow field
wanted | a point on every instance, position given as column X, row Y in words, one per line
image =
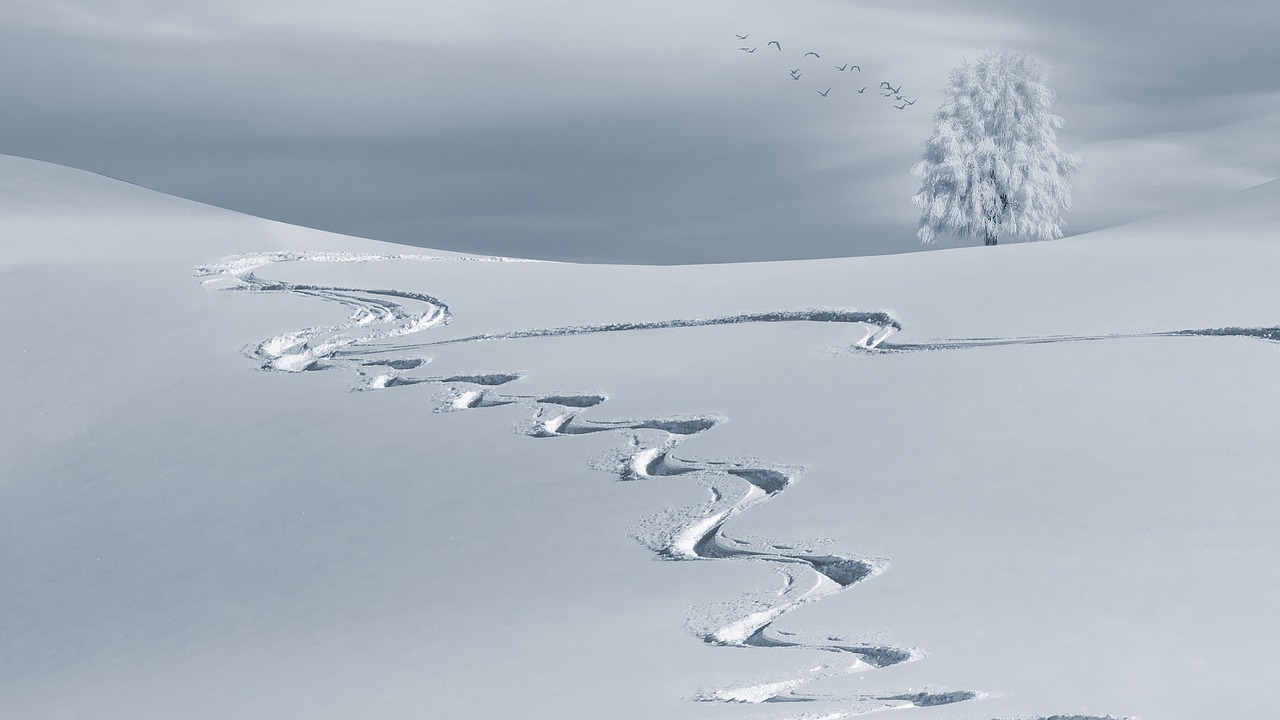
column 1064, row 449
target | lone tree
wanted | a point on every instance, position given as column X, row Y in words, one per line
column 992, row 166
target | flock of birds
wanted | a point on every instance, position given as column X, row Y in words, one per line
column 886, row 88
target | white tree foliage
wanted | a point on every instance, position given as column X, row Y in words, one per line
column 992, row 167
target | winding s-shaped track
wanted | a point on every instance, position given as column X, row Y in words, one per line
column 366, row 345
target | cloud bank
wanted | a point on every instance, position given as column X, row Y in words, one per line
column 636, row 132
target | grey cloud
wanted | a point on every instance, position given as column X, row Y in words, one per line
column 1155, row 57
column 653, row 146
column 298, row 135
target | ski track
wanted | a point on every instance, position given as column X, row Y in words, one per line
column 365, row 345
column 1266, row 334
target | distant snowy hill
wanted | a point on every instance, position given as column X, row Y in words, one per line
column 250, row 470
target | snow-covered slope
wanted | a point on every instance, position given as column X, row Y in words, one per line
column 258, row 471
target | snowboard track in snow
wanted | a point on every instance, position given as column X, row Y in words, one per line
column 695, row 533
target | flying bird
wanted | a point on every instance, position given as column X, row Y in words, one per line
column 903, row 106
column 775, row 42
column 893, row 89
column 842, row 68
column 824, row 94
column 908, row 102
column 856, row 67
column 747, row 50
column 742, row 37
column 794, row 76
column 862, row 91
column 793, row 72
column 813, row 54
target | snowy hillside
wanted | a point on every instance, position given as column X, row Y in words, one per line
column 249, row 470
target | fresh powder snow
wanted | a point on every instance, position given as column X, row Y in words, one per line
column 258, row 471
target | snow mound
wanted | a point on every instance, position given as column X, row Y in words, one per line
column 1249, row 215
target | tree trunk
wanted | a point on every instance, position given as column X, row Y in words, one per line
column 997, row 215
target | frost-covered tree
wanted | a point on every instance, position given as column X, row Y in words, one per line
column 992, row 167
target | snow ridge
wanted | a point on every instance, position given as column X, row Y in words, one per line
column 695, row 533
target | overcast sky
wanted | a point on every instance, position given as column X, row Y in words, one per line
column 628, row 131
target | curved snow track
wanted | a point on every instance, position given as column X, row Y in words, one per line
column 367, row 346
